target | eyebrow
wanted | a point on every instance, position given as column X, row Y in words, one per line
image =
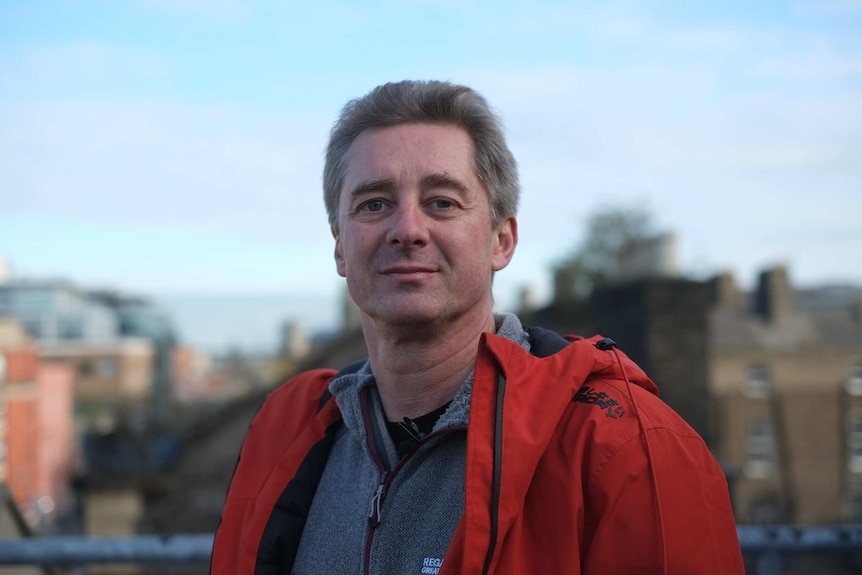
column 430, row 181
column 372, row 186
column 443, row 181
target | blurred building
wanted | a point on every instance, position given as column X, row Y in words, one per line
column 139, row 318
column 53, row 311
column 193, row 378
column 37, row 450
column 294, row 343
column 5, row 270
column 786, row 383
column 654, row 256
column 119, row 346
column 117, row 350
column 117, row 372
column 350, row 314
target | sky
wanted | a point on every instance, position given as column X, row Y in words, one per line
column 174, row 147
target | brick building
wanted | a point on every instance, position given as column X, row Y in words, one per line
column 119, row 346
column 786, row 386
column 119, row 370
column 36, row 426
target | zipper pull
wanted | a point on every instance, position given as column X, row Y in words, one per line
column 374, row 516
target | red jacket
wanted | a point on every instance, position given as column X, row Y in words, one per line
column 564, row 473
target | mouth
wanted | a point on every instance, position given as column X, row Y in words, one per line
column 407, row 271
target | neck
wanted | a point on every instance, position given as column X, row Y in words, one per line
column 414, row 375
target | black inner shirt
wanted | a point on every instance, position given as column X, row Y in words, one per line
column 405, row 434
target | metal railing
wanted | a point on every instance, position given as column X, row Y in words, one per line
column 769, row 544
column 72, row 550
column 775, row 545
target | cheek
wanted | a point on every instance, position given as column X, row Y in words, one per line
column 354, row 252
column 338, row 253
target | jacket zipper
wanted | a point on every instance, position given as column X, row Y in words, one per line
column 497, row 476
column 382, row 485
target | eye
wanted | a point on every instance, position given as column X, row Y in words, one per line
column 443, row 204
column 372, row 206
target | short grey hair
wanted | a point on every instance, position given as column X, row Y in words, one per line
column 432, row 102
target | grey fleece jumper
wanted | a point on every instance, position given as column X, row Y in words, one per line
column 375, row 514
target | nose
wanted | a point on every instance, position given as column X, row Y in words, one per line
column 408, row 226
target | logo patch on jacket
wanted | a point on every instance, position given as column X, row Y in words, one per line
column 431, row 565
column 589, row 395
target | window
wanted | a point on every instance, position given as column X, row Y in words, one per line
column 854, row 509
column 85, row 368
column 854, row 382
column 34, row 298
column 854, row 444
column 108, row 368
column 69, row 327
column 759, row 383
column 761, row 448
column 33, row 327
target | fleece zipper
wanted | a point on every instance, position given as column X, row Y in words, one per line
column 375, row 446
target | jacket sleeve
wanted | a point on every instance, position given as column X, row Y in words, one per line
column 675, row 518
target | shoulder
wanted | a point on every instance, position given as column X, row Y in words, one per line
column 291, row 405
column 615, row 404
column 599, row 399
column 615, row 425
column 290, row 413
column 305, row 387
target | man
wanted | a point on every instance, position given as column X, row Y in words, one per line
column 466, row 443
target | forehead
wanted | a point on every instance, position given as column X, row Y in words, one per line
column 405, row 149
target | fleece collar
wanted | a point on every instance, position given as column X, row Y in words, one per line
column 348, row 387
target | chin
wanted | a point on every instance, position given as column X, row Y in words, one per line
column 403, row 318
column 409, row 313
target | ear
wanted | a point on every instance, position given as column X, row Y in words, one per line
column 339, row 254
column 505, row 240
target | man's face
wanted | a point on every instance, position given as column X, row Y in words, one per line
column 415, row 240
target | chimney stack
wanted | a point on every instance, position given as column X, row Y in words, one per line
column 564, row 285
column 774, row 298
column 725, row 295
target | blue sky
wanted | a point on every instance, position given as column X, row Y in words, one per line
column 175, row 146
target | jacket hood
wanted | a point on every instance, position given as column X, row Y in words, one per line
column 577, row 362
